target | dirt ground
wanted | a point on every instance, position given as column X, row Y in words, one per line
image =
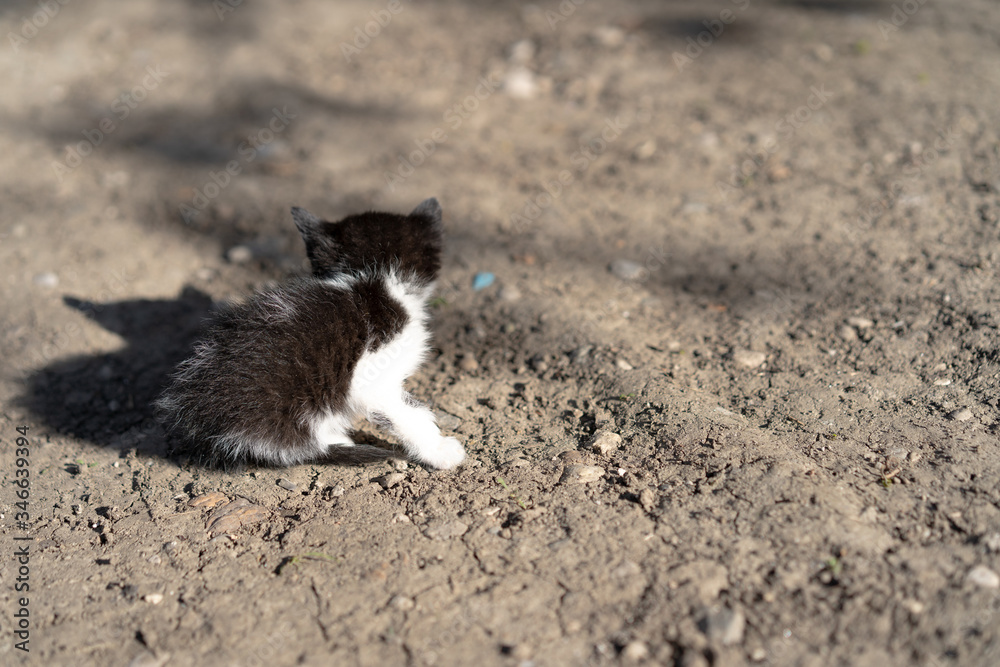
column 732, row 398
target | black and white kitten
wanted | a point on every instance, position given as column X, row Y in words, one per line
column 280, row 378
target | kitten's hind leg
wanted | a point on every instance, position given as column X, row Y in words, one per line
column 415, row 426
column 332, row 429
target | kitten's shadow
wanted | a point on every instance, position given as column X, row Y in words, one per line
column 107, row 399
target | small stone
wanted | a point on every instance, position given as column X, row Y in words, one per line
column 390, row 480
column 336, row 491
column 446, row 529
column 155, row 559
column 522, row 52
column 47, row 279
column 749, row 358
column 481, row 281
column 624, row 365
column 778, row 173
column 860, row 322
column 626, row 269
column 992, row 542
column 153, row 598
column 605, row 442
column 694, row 208
column 983, row 577
column 647, row 498
column 580, row 354
column 645, row 150
column 824, row 52
column 468, row 363
column 758, row 655
column 520, row 83
column 942, row 382
column 234, row 515
column 581, row 474
column 285, row 484
column 239, row 254
column 963, row 415
column 402, row 603
column 448, row 422
column 509, row 293
column 847, row 333
column 635, row 651
column 209, row 500
column 400, row 464
column 610, row 36
column 915, row 607
column 723, row 625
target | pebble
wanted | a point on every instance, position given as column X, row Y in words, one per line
column 209, row 500
column 239, row 254
column 483, row 280
column 448, row 422
column 509, row 293
column 605, row 442
column 848, row 333
column 647, row 498
column 963, row 415
column 581, row 474
column 984, row 577
column 610, row 36
column 580, row 354
column 468, row 363
column 626, row 269
column 860, row 322
column 694, row 208
column 522, row 52
column 400, row 464
column 749, row 358
column 724, row 625
column 47, row 279
column 390, row 480
column 635, row 651
column 778, row 173
column 624, row 365
column 402, row 603
column 286, row 484
column 153, row 598
column 758, row 655
column 942, row 382
column 645, row 150
column 520, row 83
column 446, row 529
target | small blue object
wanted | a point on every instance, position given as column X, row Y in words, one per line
column 482, row 281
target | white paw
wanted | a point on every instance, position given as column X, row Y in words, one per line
column 446, row 454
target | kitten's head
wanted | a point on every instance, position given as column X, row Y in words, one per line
column 409, row 244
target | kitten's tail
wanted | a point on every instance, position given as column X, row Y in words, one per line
column 358, row 454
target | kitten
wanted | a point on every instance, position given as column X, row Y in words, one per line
column 279, row 379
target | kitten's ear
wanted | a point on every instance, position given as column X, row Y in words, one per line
column 429, row 208
column 305, row 221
